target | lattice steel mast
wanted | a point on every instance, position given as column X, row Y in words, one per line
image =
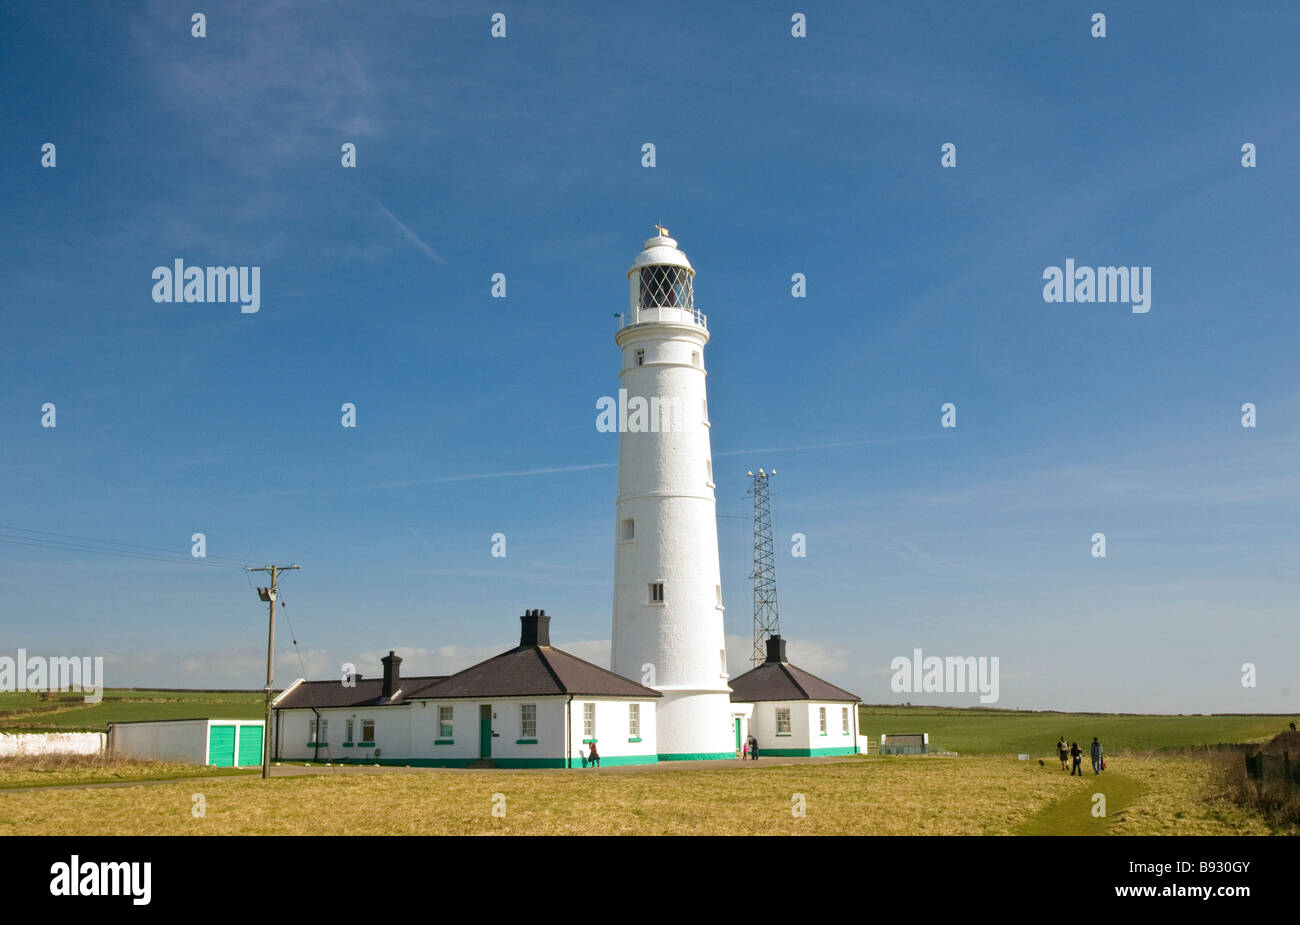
column 766, row 615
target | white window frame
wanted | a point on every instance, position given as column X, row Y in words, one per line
column 634, row 720
column 348, row 730
column 589, row 719
column 627, row 531
column 446, row 726
column 525, row 722
column 844, row 719
column 371, row 724
column 657, row 587
column 640, row 356
column 783, row 719
column 821, row 720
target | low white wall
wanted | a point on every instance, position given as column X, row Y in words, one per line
column 51, row 743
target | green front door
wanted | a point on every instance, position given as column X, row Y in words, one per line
column 737, row 722
column 250, row 746
column 221, row 746
column 485, row 731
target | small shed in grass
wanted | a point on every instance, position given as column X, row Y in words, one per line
column 222, row 743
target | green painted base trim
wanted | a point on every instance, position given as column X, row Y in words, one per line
column 444, row 741
column 590, row 741
column 635, row 739
column 696, row 756
column 347, row 744
column 366, row 744
column 806, row 752
column 783, row 735
column 613, row 761
column 525, row 741
column 318, row 745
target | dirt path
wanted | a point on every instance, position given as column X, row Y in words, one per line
column 1074, row 814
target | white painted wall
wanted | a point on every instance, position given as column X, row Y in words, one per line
column 52, row 743
column 665, row 488
column 805, row 726
column 410, row 731
column 612, row 738
column 392, row 734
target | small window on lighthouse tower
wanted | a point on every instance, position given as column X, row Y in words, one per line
column 656, row 592
column 629, row 530
column 640, row 358
column 695, row 358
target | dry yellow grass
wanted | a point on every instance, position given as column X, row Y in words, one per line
column 1183, row 796
column 962, row 796
column 53, row 769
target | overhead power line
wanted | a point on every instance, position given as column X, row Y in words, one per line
column 65, row 542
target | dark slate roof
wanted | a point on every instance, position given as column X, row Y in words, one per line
column 531, row 671
column 321, row 694
column 783, row 681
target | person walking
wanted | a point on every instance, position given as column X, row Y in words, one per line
column 1063, row 752
column 745, row 751
column 594, row 757
column 753, row 748
column 1076, row 757
column 1096, row 756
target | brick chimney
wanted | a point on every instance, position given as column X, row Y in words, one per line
column 392, row 674
column 535, row 628
column 775, row 649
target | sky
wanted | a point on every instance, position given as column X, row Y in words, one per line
column 774, row 155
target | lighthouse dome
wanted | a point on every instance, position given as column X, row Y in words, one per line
column 661, row 250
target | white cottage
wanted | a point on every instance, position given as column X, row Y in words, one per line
column 533, row 706
column 793, row 712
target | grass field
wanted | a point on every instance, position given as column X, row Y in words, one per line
column 867, row 796
column 120, row 705
column 54, row 770
column 999, row 732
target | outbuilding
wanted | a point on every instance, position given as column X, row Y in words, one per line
column 221, row 743
column 794, row 713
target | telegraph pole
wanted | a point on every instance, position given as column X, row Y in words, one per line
column 269, row 595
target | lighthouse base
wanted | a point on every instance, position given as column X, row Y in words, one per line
column 694, row 725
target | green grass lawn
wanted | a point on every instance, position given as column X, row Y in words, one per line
column 123, row 705
column 997, row 732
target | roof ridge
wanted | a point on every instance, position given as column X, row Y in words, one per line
column 785, row 667
column 546, row 663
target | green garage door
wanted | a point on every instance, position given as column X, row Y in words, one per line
column 221, row 746
column 250, row 746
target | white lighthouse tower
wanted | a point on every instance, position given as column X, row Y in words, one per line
column 668, row 617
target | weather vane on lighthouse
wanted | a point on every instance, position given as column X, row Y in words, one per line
column 663, row 232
